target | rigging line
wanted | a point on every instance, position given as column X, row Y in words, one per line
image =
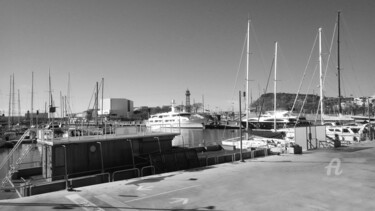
column 265, row 91
column 259, row 49
column 329, row 57
column 92, row 97
column 284, row 58
column 304, row 73
column 349, row 55
column 239, row 67
column 320, row 98
column 304, row 101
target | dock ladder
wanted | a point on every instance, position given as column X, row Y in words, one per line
column 14, row 166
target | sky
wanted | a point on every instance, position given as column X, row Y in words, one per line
column 152, row 51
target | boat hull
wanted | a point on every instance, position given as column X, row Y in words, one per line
column 182, row 125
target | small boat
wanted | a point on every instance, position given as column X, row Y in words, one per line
column 174, row 119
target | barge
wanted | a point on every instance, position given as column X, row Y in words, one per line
column 69, row 162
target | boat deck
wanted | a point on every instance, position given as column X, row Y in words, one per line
column 106, row 137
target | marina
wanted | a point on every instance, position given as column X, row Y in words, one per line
column 166, row 105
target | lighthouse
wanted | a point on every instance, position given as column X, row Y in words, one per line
column 187, row 106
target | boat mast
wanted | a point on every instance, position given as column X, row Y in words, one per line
column 68, row 100
column 19, row 106
column 52, row 108
column 247, row 105
column 274, row 90
column 338, row 59
column 96, row 103
column 32, row 98
column 13, row 101
column 49, row 94
column 321, row 77
column 10, row 102
column 102, row 117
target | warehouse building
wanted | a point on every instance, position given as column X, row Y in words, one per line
column 116, row 107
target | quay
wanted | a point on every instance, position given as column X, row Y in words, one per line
column 323, row 179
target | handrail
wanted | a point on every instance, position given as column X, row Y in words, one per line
column 14, row 149
column 125, row 170
column 148, row 167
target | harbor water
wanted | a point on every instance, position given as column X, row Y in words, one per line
column 202, row 137
column 187, row 138
column 31, row 159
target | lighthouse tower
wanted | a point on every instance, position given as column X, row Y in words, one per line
column 188, row 106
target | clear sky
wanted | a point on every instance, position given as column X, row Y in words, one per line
column 152, row 51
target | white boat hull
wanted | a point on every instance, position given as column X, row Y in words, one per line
column 189, row 125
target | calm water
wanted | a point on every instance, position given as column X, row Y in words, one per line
column 32, row 159
column 188, row 138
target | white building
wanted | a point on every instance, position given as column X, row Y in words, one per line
column 116, row 107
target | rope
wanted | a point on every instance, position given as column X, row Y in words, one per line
column 265, row 91
column 304, row 73
column 239, row 66
column 304, row 101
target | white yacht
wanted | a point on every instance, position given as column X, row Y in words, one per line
column 174, row 119
column 283, row 119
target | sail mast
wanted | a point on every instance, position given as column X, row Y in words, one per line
column 32, row 98
column 321, row 77
column 338, row 60
column 96, row 103
column 68, row 108
column 247, row 108
column 274, row 89
column 10, row 103
column 19, row 107
column 102, row 117
column 13, row 100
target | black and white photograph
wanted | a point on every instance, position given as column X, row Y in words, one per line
column 166, row 105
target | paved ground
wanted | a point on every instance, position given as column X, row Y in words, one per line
column 340, row 179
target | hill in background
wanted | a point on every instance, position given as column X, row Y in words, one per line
column 284, row 101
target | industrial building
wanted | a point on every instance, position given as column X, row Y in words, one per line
column 116, row 107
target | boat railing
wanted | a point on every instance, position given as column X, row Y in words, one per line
column 162, row 128
column 52, row 135
column 15, row 148
column 14, row 166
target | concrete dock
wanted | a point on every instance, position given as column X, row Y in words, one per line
column 326, row 179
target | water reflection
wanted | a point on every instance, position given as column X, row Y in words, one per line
column 31, row 159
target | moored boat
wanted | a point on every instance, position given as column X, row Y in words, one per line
column 174, row 119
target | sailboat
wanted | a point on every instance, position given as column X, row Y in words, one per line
column 323, row 117
column 275, row 119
